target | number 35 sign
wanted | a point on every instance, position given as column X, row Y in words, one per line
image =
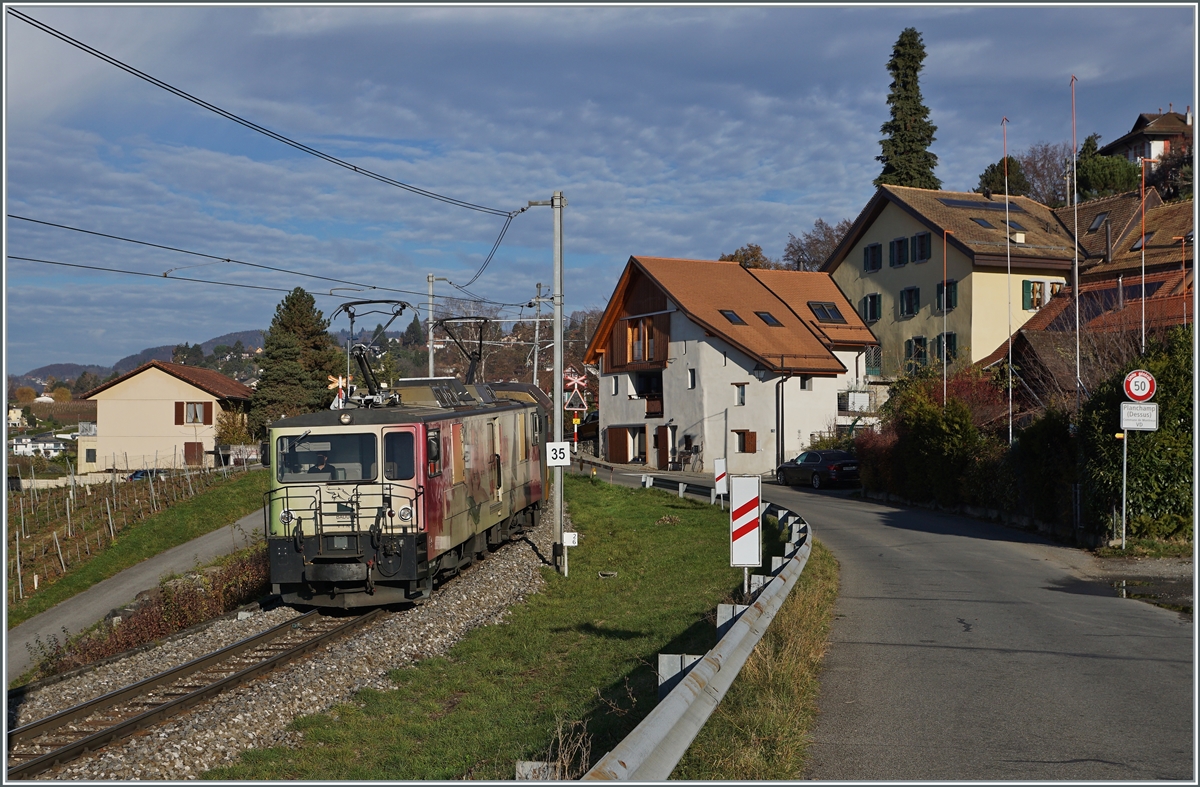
column 558, row 454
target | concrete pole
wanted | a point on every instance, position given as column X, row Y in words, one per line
column 557, row 202
column 429, row 278
column 537, row 325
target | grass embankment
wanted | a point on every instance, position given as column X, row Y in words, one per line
column 224, row 503
column 567, row 675
column 178, row 603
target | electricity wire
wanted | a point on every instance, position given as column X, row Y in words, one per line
column 508, row 215
column 211, row 256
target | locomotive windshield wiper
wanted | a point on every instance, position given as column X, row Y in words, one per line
column 296, row 442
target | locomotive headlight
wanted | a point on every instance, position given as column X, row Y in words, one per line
column 286, row 517
column 345, row 418
column 406, row 513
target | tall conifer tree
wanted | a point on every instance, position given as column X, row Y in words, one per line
column 906, row 158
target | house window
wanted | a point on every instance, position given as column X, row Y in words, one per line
column 873, row 360
column 922, row 246
column 732, row 316
column 739, row 394
column 1032, row 294
column 871, row 310
column 1142, row 239
column 873, row 257
column 89, row 455
column 691, row 378
column 1016, row 226
column 806, row 382
column 984, row 223
column 635, row 341
column 910, row 301
column 769, row 319
column 193, row 413
column 948, row 299
column 1056, row 287
column 915, row 352
column 747, row 441
column 898, row 252
column 616, row 385
column 946, row 347
column 826, row 311
column 1097, row 222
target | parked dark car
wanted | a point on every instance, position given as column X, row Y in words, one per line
column 589, row 429
column 819, row 468
column 140, row 475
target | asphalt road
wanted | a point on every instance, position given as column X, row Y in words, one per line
column 84, row 610
column 966, row 650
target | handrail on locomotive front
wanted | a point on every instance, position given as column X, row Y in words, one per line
column 356, row 507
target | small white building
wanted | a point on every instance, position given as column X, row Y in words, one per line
column 47, row 445
column 702, row 359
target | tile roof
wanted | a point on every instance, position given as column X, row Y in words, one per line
column 1168, row 223
column 1168, row 303
column 1148, row 124
column 798, row 288
column 208, row 380
column 701, row 289
column 1121, row 210
column 1047, row 240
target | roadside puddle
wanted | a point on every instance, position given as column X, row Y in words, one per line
column 1170, row 594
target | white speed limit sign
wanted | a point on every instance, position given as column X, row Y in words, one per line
column 558, row 454
column 1140, row 385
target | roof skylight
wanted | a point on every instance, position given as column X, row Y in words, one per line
column 732, row 316
column 769, row 319
column 826, row 311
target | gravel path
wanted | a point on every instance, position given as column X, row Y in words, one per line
column 259, row 714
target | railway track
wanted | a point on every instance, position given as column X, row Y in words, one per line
column 62, row 737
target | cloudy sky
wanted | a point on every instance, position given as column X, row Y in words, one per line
column 673, row 131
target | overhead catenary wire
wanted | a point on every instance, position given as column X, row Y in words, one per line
column 507, row 214
column 213, row 257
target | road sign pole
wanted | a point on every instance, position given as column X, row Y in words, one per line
column 1124, row 479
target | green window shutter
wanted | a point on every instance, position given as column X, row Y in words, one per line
column 941, row 297
column 952, row 295
column 916, row 300
column 866, row 258
column 1027, row 294
column 952, row 345
column 914, row 245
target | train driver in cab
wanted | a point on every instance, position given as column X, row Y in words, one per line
column 322, row 466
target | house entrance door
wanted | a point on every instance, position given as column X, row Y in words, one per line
column 193, row 453
column 664, row 447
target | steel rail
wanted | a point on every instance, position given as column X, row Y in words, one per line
column 190, row 697
column 653, row 749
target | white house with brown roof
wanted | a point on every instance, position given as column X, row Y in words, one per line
column 907, row 243
column 162, row 415
column 1153, row 135
column 702, row 359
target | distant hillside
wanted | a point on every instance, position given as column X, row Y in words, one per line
column 66, row 371
column 251, row 340
column 131, row 362
column 69, row 371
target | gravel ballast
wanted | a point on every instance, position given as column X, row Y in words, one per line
column 259, row 714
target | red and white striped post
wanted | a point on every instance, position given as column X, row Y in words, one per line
column 745, row 525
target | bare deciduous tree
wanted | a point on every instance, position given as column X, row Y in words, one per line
column 811, row 249
column 1045, row 164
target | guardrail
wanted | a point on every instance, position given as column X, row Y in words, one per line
column 656, row 745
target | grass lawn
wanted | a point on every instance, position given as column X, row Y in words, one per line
column 1148, row 547
column 578, row 657
column 207, row 511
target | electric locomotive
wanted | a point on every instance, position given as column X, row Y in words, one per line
column 369, row 503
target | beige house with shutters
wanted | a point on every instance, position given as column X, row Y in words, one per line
column 907, row 244
column 162, row 415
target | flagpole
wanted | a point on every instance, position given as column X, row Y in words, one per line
column 1008, row 283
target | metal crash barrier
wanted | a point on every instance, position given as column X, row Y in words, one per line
column 656, row 745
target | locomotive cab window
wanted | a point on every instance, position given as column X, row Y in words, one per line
column 433, row 453
column 326, row 458
column 398, row 463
